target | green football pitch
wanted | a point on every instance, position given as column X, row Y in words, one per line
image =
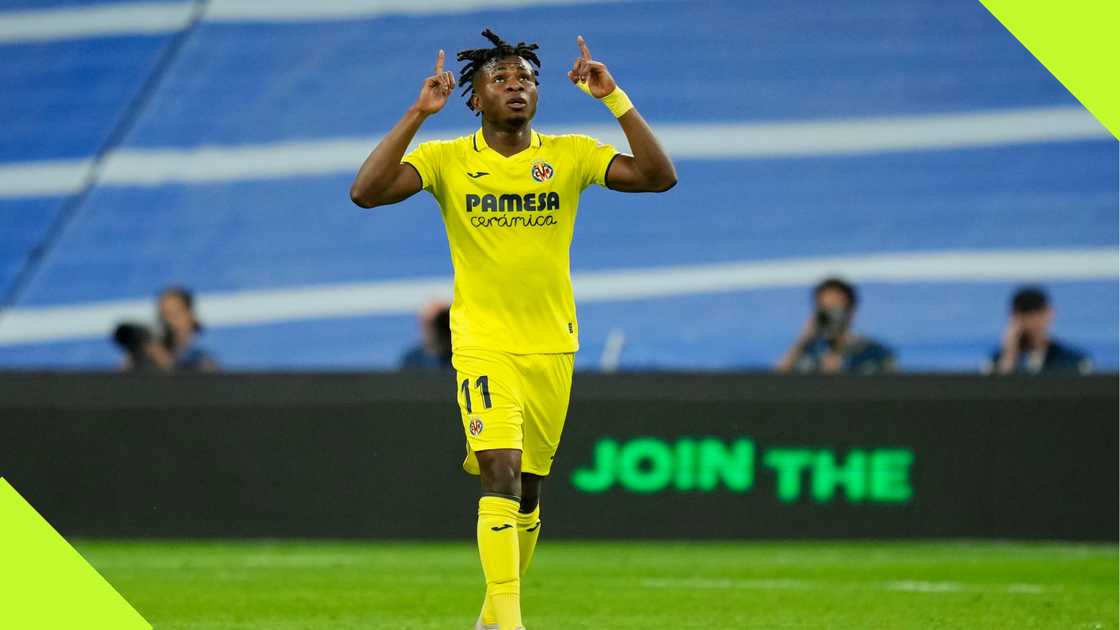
column 608, row 586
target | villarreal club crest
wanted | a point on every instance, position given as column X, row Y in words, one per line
column 475, row 426
column 542, row 171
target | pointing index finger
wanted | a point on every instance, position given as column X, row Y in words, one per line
column 439, row 62
column 584, row 52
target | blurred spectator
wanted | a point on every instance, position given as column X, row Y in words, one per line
column 827, row 344
column 434, row 350
column 1027, row 345
column 181, row 331
column 142, row 352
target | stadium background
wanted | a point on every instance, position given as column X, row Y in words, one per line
column 212, row 144
column 914, row 147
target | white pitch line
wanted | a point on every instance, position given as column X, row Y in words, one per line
column 698, row 141
column 902, row 586
column 916, row 586
column 759, row 584
column 397, row 297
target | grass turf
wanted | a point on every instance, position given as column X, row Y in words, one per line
column 617, row 586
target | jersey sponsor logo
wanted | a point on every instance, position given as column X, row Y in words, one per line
column 475, row 426
column 513, row 221
column 532, row 202
column 477, row 174
column 542, row 171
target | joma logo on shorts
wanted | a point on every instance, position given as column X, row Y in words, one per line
column 532, row 202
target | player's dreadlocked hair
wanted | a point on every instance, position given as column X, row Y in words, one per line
column 477, row 58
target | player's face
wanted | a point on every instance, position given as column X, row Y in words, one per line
column 506, row 91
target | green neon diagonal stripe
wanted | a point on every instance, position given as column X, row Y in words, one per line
column 45, row 584
column 1077, row 41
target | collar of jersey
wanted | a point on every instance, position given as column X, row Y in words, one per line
column 480, row 144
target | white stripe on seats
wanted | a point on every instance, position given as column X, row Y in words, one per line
column 691, row 141
column 396, row 297
column 153, row 18
column 98, row 20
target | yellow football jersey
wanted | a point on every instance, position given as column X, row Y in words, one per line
column 509, row 225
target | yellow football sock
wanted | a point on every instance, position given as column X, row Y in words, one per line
column 528, row 530
column 497, row 547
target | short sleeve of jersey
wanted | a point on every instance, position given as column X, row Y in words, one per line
column 596, row 157
column 427, row 159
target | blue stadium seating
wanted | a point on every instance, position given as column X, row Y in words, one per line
column 60, row 100
column 243, row 83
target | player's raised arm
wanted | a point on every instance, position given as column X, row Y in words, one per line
column 382, row 179
column 649, row 169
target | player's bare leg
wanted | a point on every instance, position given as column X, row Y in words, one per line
column 498, row 509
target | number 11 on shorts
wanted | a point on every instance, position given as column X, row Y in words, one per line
column 483, row 385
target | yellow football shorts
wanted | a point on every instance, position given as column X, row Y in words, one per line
column 516, row 401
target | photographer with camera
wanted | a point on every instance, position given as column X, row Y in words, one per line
column 177, row 348
column 827, row 345
column 1027, row 346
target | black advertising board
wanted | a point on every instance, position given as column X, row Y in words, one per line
column 689, row 456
